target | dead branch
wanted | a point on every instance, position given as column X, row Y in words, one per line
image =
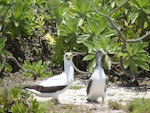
column 139, row 39
column 79, row 71
column 76, row 69
column 20, row 66
column 78, row 53
column 119, row 33
column 117, row 8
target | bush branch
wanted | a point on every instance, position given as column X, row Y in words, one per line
column 79, row 71
column 119, row 33
column 139, row 39
column 20, row 66
column 117, row 8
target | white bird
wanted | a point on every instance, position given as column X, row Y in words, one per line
column 55, row 85
column 96, row 86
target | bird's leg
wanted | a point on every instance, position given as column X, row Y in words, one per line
column 102, row 101
column 55, row 101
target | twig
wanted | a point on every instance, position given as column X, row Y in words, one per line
column 114, row 27
column 120, row 34
column 139, row 39
column 117, row 8
column 79, row 71
column 78, row 53
column 15, row 60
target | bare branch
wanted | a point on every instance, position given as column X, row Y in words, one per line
column 120, row 34
column 98, row 12
column 15, row 60
column 78, row 53
column 139, row 39
column 79, row 71
column 114, row 27
column 111, row 22
column 117, row 8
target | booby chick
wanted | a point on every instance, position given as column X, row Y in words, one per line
column 96, row 86
column 55, row 85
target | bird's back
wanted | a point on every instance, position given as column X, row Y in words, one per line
column 57, row 80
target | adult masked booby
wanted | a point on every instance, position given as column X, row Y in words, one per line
column 55, row 85
column 96, row 86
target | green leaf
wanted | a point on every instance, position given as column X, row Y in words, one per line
column 101, row 26
column 143, row 3
column 82, row 7
column 105, row 42
column 92, row 25
column 142, row 57
column 129, row 49
column 126, row 62
column 2, row 42
column 133, row 68
column 142, row 64
column 134, row 3
column 108, row 33
column 97, row 42
column 91, row 65
column 82, row 38
column 132, row 17
column 90, row 45
column 88, row 57
column 107, row 63
column 8, row 67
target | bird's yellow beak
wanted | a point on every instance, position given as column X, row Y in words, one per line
column 68, row 56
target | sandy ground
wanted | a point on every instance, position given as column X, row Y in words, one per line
column 114, row 93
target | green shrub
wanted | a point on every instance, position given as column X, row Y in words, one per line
column 138, row 105
column 39, row 68
column 18, row 101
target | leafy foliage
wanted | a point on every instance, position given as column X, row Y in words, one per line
column 38, row 67
column 94, row 31
column 18, row 102
column 136, row 57
column 79, row 27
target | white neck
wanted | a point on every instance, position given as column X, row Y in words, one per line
column 69, row 71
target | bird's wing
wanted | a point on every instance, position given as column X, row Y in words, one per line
column 43, row 89
column 58, row 80
column 106, row 85
column 88, row 86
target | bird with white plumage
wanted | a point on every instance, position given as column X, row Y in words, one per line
column 96, row 86
column 57, row 84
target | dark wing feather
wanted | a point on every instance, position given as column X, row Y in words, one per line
column 88, row 86
column 106, row 85
column 45, row 89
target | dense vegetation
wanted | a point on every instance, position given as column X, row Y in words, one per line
column 34, row 34
column 121, row 28
column 40, row 29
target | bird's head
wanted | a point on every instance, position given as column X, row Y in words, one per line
column 100, row 52
column 68, row 56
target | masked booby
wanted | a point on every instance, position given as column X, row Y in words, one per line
column 96, row 86
column 55, row 85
